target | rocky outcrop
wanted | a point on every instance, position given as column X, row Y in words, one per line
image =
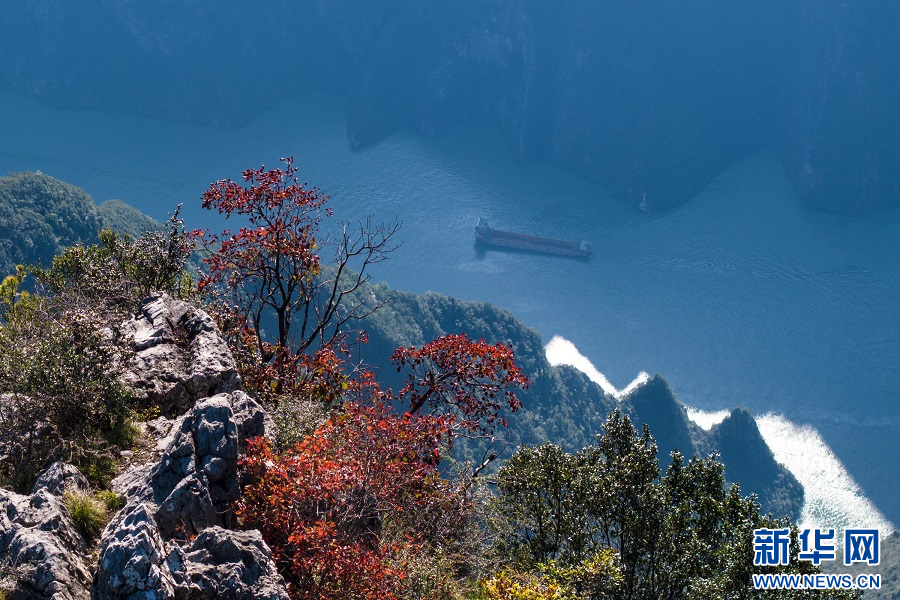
column 220, row 563
column 60, row 478
column 40, row 543
column 179, row 355
column 173, row 537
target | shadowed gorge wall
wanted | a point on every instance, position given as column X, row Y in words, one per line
column 651, row 99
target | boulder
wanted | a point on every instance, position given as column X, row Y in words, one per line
column 40, row 540
column 59, row 478
column 220, row 563
column 151, row 548
column 179, row 355
column 131, row 558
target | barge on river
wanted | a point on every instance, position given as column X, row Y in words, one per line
column 520, row 241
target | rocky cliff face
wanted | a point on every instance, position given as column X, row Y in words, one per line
column 839, row 121
column 651, row 99
column 175, row 536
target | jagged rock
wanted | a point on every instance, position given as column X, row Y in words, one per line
column 186, row 493
column 179, row 355
column 220, row 563
column 131, row 558
column 251, row 420
column 195, row 478
column 60, row 478
column 185, row 480
column 39, row 538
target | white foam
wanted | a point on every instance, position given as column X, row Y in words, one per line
column 561, row 351
column 706, row 419
column 833, row 499
column 642, row 378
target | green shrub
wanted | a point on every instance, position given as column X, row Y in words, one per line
column 111, row 500
column 59, row 395
column 121, row 270
column 89, row 513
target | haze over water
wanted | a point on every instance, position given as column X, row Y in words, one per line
column 740, row 296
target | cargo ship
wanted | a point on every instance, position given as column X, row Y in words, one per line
column 520, row 241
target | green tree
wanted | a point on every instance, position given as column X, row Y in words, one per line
column 13, row 301
column 682, row 535
column 623, row 504
column 536, row 487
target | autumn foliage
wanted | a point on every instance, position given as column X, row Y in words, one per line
column 349, row 508
column 471, row 381
column 283, row 290
column 321, row 506
column 343, row 508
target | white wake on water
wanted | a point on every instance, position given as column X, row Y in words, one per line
column 561, row 351
column 706, row 419
column 833, row 499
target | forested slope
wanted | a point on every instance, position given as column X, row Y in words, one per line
column 40, row 216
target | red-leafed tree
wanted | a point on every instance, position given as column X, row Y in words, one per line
column 284, row 290
column 345, row 508
column 321, row 506
column 467, row 380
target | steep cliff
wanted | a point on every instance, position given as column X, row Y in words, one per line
column 840, row 117
column 651, row 99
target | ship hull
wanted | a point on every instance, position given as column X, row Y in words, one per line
column 531, row 243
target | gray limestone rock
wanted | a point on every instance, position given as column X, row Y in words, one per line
column 179, row 355
column 195, row 481
column 131, row 558
column 41, row 543
column 172, row 538
column 151, row 548
column 220, row 563
column 60, row 478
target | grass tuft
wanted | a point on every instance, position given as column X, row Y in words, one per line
column 88, row 512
